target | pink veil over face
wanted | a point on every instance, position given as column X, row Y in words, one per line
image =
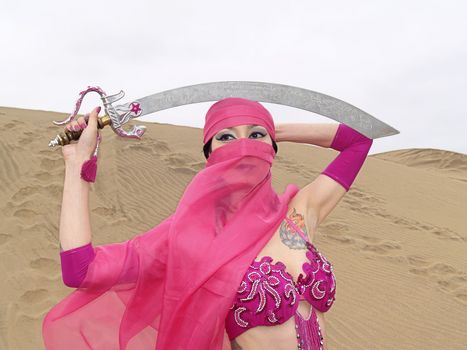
column 172, row 286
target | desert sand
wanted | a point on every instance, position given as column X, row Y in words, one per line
column 397, row 240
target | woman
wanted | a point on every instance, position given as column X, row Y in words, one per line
column 233, row 267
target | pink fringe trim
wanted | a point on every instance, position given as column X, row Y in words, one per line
column 308, row 332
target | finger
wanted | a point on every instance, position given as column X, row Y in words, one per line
column 72, row 126
column 81, row 122
column 92, row 120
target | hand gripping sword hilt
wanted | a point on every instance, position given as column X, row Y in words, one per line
column 116, row 117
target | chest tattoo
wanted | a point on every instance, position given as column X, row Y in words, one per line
column 289, row 236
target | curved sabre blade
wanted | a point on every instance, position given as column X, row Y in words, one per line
column 286, row 95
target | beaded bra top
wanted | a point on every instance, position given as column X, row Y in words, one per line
column 268, row 295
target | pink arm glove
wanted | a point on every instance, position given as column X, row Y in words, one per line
column 75, row 264
column 354, row 148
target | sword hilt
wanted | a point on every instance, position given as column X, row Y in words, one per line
column 65, row 137
column 116, row 117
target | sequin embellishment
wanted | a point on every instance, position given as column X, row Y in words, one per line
column 264, row 279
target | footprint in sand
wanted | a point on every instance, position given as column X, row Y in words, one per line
column 34, row 296
column 24, row 192
column 361, row 196
column 181, row 163
column 445, row 233
column 42, row 176
column 177, row 159
column 103, row 211
column 52, row 163
column 53, row 190
column 462, row 296
column 413, row 225
column 198, row 166
column 9, row 125
column 432, row 270
column 417, row 261
column 381, row 248
column 340, row 238
column 358, row 200
column 4, row 237
column 27, row 192
column 337, row 232
column 376, row 245
column 158, row 146
column 27, row 138
column 151, row 146
column 453, row 282
column 9, row 170
column 44, row 264
column 370, row 239
column 25, row 213
column 446, row 277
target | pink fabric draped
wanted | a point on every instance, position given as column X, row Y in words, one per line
column 171, row 287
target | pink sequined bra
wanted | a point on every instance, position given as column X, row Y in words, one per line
column 268, row 295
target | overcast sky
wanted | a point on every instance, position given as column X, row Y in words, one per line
column 404, row 62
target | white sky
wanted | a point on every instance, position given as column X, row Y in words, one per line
column 404, row 62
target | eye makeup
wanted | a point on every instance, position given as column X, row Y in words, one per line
column 255, row 130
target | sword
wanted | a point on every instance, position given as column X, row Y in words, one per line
column 308, row 100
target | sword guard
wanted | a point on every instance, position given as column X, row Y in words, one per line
column 116, row 117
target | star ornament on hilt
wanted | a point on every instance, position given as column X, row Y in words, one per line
column 116, row 117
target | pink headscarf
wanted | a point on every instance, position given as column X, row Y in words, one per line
column 235, row 111
column 172, row 286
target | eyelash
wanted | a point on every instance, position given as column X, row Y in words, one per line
column 220, row 138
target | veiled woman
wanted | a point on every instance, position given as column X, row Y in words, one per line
column 233, row 267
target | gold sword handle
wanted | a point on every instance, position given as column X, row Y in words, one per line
column 65, row 137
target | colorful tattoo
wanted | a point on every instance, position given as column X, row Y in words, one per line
column 289, row 236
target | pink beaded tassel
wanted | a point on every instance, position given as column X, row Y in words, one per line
column 308, row 332
column 89, row 167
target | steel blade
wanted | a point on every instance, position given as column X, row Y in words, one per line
column 286, row 95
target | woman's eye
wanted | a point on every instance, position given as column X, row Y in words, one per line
column 257, row 132
column 223, row 137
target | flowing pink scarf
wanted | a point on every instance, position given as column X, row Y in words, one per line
column 172, row 286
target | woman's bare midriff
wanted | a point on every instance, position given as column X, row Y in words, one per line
column 282, row 336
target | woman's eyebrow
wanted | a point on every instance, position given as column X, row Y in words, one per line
column 249, row 127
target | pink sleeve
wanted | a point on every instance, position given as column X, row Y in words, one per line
column 354, row 148
column 75, row 264
column 111, row 264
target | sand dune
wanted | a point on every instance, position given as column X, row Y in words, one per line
column 439, row 161
column 398, row 239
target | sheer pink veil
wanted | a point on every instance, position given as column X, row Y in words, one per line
column 172, row 286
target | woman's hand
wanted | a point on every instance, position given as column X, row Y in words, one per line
column 84, row 148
